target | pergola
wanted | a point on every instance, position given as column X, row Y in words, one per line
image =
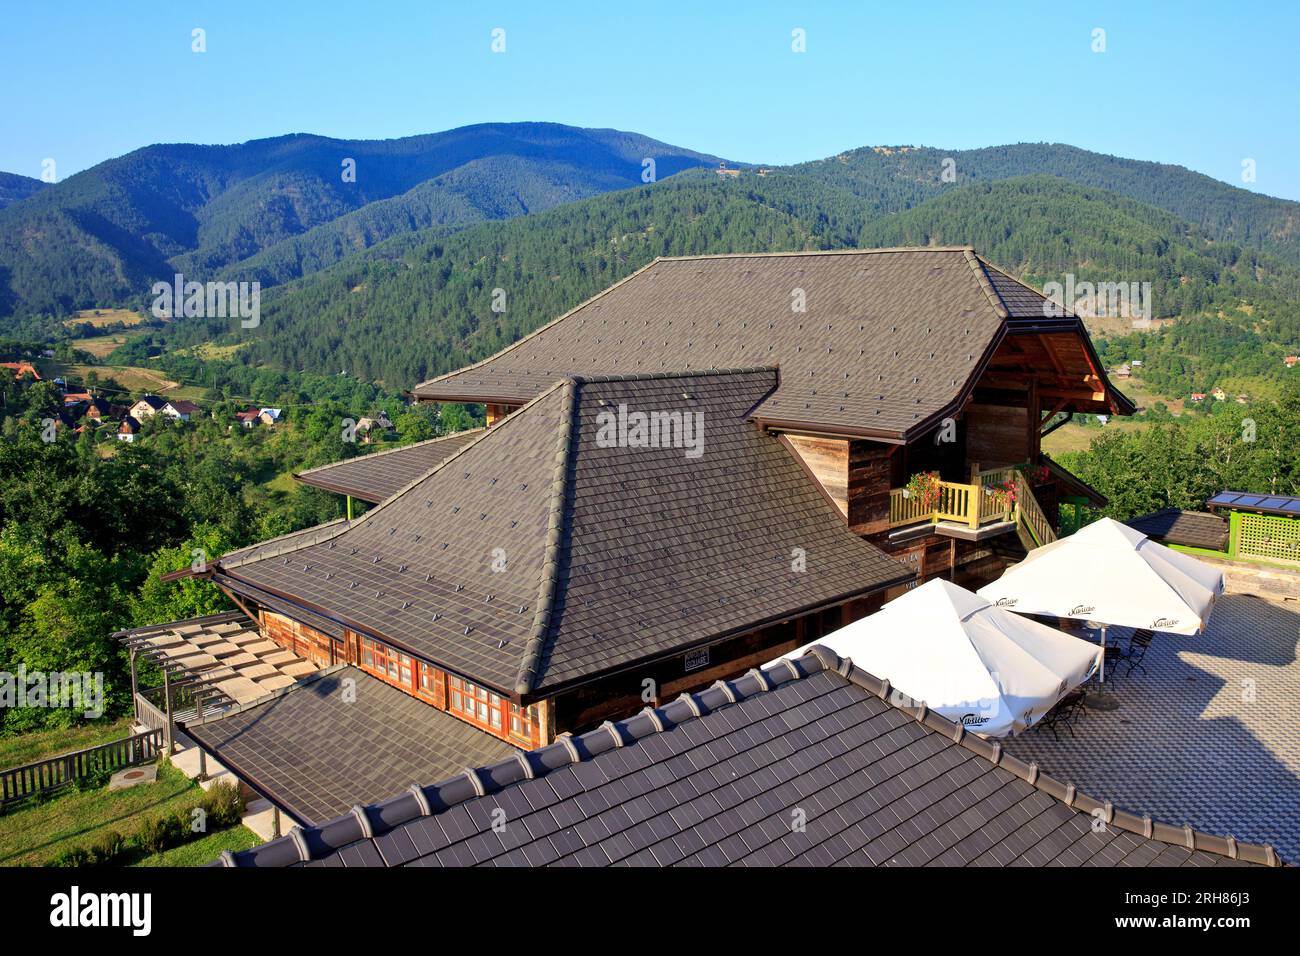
column 208, row 664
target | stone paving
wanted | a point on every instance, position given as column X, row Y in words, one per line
column 1209, row 735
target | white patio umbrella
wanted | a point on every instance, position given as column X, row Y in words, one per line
column 1109, row 573
column 991, row 670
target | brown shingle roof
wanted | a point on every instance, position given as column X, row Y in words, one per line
column 315, row 751
column 890, row 338
column 1192, row 529
column 382, row 474
column 723, row 777
column 537, row 558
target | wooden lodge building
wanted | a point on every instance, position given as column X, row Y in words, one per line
column 824, row 431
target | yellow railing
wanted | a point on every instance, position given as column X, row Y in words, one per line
column 905, row 509
column 973, row 504
column 1030, row 515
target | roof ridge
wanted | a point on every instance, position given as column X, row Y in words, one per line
column 817, row 252
column 370, row 456
column 348, row 525
column 999, row 307
column 556, row 530
column 318, row 841
column 650, row 376
column 301, row 533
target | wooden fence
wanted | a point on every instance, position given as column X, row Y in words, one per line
column 52, row 773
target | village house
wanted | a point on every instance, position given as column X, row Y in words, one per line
column 22, row 370
column 146, row 407
column 1219, row 394
column 128, row 429
column 180, row 410
column 710, row 463
column 249, row 417
column 1291, row 361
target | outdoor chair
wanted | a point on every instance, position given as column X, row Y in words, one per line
column 1137, row 651
column 1068, row 709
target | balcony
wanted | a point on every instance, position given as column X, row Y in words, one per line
column 993, row 502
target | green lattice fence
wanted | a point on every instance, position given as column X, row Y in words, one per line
column 1271, row 537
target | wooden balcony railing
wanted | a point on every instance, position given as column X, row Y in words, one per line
column 1029, row 514
column 975, row 503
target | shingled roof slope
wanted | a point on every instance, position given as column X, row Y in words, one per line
column 382, row 474
column 1192, row 529
column 889, row 339
column 315, row 751
column 536, row 558
column 724, row 777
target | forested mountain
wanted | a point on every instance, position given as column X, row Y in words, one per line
column 14, row 187
column 421, row 305
column 898, row 177
column 103, row 236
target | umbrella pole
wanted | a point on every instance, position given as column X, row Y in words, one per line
column 1103, row 653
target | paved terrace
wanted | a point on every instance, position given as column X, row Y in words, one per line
column 1209, row 735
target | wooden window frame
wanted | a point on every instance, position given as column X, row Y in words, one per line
column 484, row 701
column 382, row 656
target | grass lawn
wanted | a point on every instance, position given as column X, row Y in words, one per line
column 1077, row 438
column 102, row 317
column 132, row 377
column 33, row 833
column 37, row 745
column 204, row 850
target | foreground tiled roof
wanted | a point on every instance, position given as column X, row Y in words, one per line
column 889, row 340
column 222, row 652
column 808, row 763
column 324, row 744
column 382, row 474
column 1192, row 529
column 536, row 558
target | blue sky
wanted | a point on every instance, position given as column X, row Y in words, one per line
column 1204, row 85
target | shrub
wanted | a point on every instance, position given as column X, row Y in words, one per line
column 108, row 846
column 74, row 856
column 160, row 833
column 223, row 805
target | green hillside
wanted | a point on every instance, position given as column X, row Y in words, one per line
column 419, row 305
column 102, row 236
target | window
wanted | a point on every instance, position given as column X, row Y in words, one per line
column 477, row 704
column 387, row 662
column 521, row 721
column 428, row 682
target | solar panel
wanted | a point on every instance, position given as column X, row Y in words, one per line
column 1275, row 504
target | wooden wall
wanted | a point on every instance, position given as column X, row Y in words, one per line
column 998, row 435
column 828, row 460
column 299, row 638
column 870, row 476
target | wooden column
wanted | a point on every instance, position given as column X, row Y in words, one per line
column 1033, row 423
column 167, row 697
column 135, row 688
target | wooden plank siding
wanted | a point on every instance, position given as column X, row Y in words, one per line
column 827, row 460
column 998, row 434
column 321, row 649
column 870, row 476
